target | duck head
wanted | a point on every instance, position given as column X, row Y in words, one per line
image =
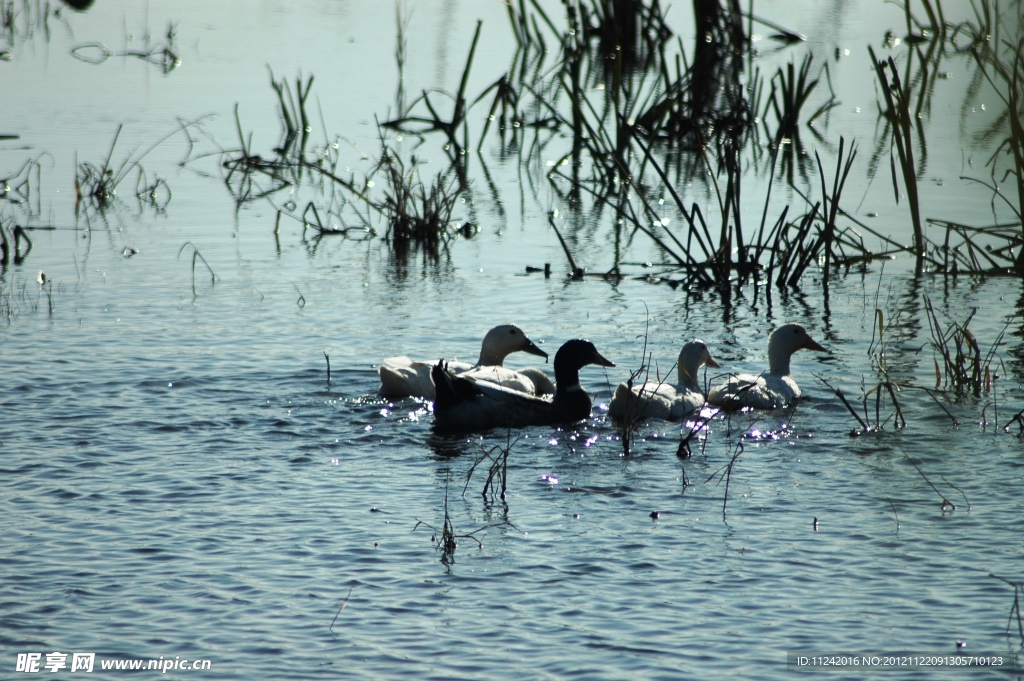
column 786, row 340
column 693, row 355
column 502, row 341
column 573, row 356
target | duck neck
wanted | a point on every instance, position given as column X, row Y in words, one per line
column 778, row 361
column 491, row 357
column 566, row 378
column 688, row 375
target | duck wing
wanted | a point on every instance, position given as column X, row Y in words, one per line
column 767, row 391
column 508, row 378
column 402, row 377
column 542, row 383
column 467, row 404
column 654, row 401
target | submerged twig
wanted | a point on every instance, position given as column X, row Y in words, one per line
column 342, row 607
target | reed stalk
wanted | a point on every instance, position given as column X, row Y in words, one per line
column 897, row 113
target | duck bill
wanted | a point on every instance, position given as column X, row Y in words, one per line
column 710, row 361
column 600, row 360
column 812, row 345
column 534, row 350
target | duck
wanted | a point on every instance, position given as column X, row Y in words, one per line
column 466, row 404
column 773, row 389
column 402, row 377
column 661, row 400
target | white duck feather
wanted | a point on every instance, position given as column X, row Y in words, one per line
column 661, row 400
column 775, row 388
column 402, row 377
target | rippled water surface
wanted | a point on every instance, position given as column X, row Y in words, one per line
column 180, row 478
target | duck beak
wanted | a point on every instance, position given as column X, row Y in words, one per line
column 810, row 344
column 534, row 350
column 710, row 361
column 600, row 361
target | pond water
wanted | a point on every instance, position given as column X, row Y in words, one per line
column 180, row 479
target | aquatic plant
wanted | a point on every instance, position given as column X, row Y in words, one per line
column 964, row 366
column 867, row 425
column 196, row 256
column 294, row 118
column 789, row 94
column 1017, row 418
column 725, row 473
column 163, row 54
column 22, row 20
column 96, row 185
column 451, row 125
column 17, row 247
column 1014, row 616
column 417, row 215
column 448, row 542
column 23, row 188
column 897, row 114
column 627, row 425
column 1001, row 63
column 496, row 483
column 288, row 163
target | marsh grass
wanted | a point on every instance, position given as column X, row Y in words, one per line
column 22, row 20
column 448, row 541
column 23, row 188
column 961, row 368
column 418, row 215
column 964, row 366
column 1017, row 418
column 15, row 248
column 1000, row 62
column 790, row 92
column 291, row 103
column 633, row 31
column 454, row 126
column 163, row 54
column 725, row 473
column 693, row 429
column 633, row 115
column 496, row 483
column 946, row 503
column 244, row 170
column 897, row 113
column 653, row 109
column 1014, row 616
column 417, row 211
column 879, row 391
column 197, row 256
column 96, row 185
column 623, row 116
column 634, row 412
column 882, row 335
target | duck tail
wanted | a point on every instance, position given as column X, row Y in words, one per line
column 444, row 393
column 392, row 383
column 622, row 403
column 449, row 390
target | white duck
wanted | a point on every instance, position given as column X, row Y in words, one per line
column 463, row 404
column 773, row 389
column 665, row 400
column 402, row 377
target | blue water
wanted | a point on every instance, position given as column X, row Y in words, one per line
column 180, row 479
